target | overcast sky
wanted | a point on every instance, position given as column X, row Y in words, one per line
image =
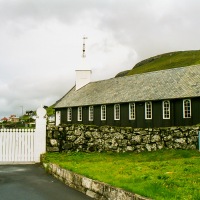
column 41, row 42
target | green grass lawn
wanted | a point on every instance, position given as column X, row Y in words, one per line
column 164, row 174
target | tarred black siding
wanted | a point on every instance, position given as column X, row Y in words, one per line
column 63, row 115
column 176, row 115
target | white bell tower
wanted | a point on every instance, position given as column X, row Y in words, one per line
column 83, row 75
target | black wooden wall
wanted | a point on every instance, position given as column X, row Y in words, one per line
column 176, row 115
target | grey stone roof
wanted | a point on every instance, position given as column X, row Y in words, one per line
column 173, row 83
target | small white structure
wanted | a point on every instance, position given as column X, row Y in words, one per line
column 51, row 118
column 83, row 77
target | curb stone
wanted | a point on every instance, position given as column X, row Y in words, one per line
column 92, row 188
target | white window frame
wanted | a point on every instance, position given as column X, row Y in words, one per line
column 131, row 111
column 91, row 113
column 117, row 111
column 58, row 117
column 79, row 114
column 187, row 110
column 69, row 114
column 148, row 110
column 166, row 109
column 103, row 112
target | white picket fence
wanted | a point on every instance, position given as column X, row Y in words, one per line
column 24, row 145
column 17, row 145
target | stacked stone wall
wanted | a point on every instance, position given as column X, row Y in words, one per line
column 119, row 139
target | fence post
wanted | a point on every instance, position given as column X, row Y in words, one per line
column 40, row 134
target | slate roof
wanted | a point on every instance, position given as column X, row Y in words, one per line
column 173, row 83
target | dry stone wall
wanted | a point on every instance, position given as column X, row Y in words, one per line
column 120, row 139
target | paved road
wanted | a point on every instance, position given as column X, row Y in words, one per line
column 31, row 182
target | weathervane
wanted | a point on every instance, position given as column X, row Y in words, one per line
column 84, row 38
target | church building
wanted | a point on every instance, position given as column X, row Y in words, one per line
column 154, row 99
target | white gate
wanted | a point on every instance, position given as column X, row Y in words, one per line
column 17, row 145
column 24, row 145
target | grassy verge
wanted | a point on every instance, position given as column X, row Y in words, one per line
column 164, row 174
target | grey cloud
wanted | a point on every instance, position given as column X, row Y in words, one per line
column 29, row 93
column 63, row 10
column 151, row 28
column 38, row 52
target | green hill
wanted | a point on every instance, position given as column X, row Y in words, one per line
column 165, row 61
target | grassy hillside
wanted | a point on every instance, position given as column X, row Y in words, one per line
column 165, row 61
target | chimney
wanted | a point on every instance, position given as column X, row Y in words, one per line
column 83, row 77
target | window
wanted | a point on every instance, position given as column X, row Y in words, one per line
column 91, row 113
column 58, row 115
column 69, row 114
column 103, row 112
column 148, row 110
column 79, row 113
column 131, row 111
column 117, row 112
column 187, row 108
column 166, row 109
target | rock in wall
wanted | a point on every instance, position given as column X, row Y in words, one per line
column 119, row 139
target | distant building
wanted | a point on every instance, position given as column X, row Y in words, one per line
column 4, row 119
column 13, row 118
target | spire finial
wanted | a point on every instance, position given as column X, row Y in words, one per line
column 84, row 54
